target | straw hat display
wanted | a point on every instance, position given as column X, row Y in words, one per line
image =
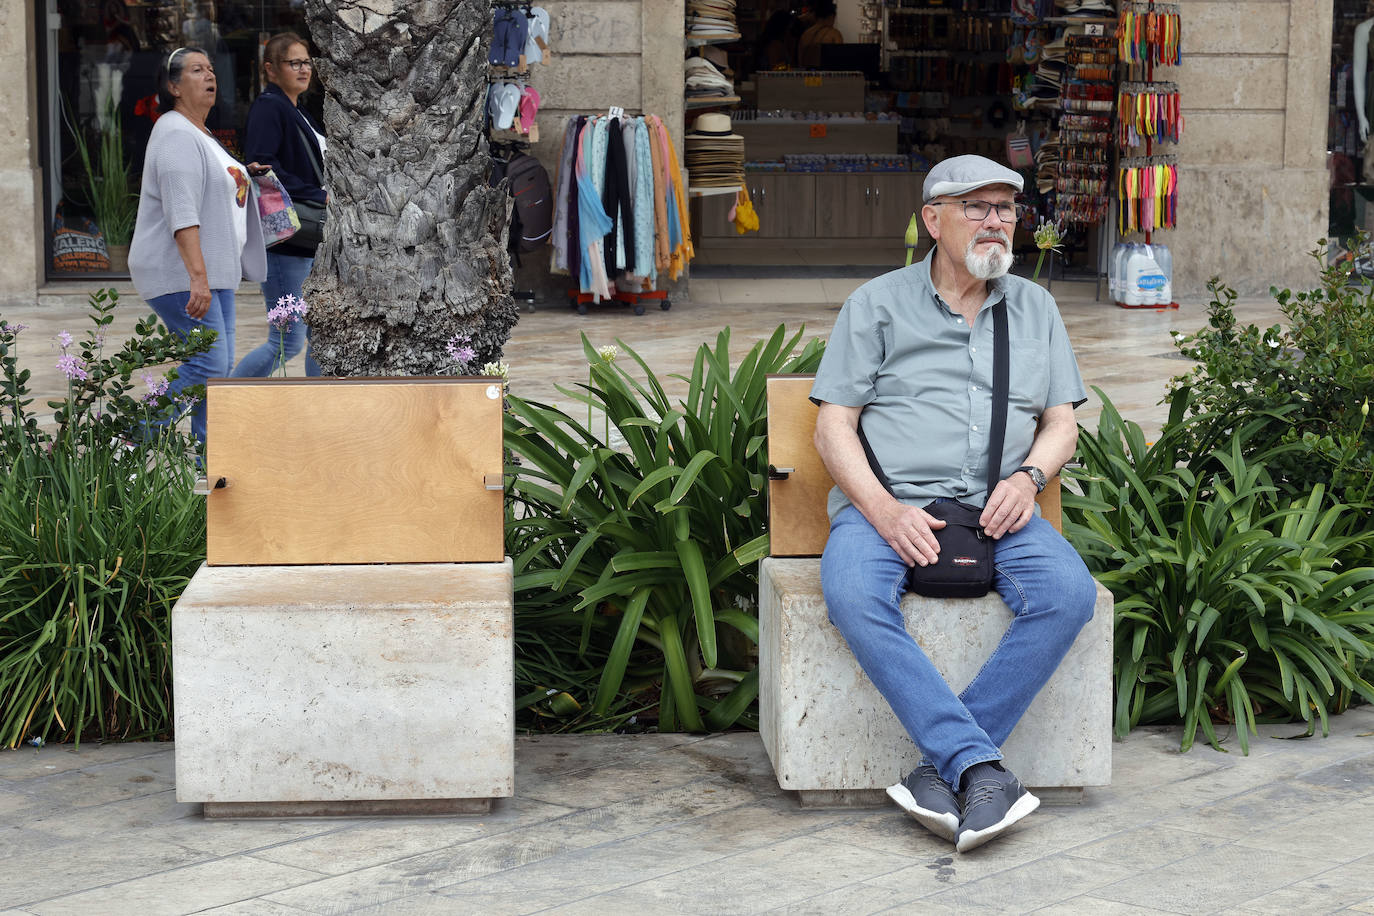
column 714, row 153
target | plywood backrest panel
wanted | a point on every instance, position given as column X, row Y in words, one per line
column 353, row 471
column 797, row 521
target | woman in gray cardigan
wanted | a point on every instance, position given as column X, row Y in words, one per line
column 198, row 231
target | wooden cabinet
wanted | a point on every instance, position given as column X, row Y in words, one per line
column 786, row 205
column 827, row 205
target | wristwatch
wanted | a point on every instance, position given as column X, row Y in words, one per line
column 1037, row 476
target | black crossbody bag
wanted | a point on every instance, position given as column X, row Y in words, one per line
column 964, row 566
column 311, row 212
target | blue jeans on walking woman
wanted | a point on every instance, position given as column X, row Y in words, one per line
column 1041, row 579
column 215, row 362
column 285, row 276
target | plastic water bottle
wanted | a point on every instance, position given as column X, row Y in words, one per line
column 1145, row 282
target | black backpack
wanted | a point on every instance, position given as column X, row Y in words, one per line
column 532, row 218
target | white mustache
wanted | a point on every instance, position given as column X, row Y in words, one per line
column 997, row 234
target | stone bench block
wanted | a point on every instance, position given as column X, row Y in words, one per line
column 345, row 689
column 832, row 737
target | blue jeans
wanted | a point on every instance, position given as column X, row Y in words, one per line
column 1041, row 579
column 215, row 362
column 285, row 276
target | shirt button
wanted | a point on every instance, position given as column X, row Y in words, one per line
column 972, row 387
column 960, row 320
column 974, row 428
column 973, row 349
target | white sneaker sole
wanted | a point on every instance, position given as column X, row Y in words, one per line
column 942, row 825
column 972, row 839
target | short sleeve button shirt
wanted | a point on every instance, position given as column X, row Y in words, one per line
column 924, row 379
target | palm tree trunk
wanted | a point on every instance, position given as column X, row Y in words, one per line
column 414, row 249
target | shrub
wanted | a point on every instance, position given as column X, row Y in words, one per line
column 1233, row 603
column 634, row 577
column 1319, row 369
column 99, row 533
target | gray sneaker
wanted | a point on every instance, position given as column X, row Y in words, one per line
column 993, row 799
column 929, row 799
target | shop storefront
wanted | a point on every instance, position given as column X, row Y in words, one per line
column 97, row 64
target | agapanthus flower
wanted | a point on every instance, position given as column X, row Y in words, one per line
column 608, row 353
column 460, row 350
column 72, row 367
column 1048, row 236
column 64, row 339
column 497, row 368
column 287, row 312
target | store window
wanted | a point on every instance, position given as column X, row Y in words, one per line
column 1350, row 156
column 99, row 65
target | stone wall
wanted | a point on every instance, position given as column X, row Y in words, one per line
column 626, row 53
column 21, row 188
column 1253, row 187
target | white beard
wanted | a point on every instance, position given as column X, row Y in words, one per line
column 994, row 263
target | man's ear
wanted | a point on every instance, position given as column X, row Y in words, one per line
column 931, row 217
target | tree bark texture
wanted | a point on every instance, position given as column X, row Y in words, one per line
column 414, row 243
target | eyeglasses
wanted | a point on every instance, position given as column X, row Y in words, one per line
column 299, row 64
column 977, row 210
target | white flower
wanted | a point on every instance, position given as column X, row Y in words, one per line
column 497, row 368
column 608, row 353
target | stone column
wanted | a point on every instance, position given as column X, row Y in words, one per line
column 21, row 188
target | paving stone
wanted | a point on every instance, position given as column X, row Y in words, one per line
column 756, row 881
column 852, row 900
column 1148, row 847
column 1215, row 878
column 1036, row 884
column 1076, row 906
column 255, row 907
column 33, row 877
column 169, row 893
column 1327, row 892
column 376, row 842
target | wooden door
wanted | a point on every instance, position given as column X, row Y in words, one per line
column 786, row 205
column 896, row 196
column 332, row 471
column 844, row 206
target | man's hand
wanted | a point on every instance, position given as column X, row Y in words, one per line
column 1010, row 507
column 907, row 530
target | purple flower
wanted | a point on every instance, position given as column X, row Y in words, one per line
column 460, row 350
column 157, row 387
column 287, row 312
column 11, row 328
column 72, row 367
column 64, row 339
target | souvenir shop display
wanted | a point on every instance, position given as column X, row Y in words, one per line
column 620, row 214
column 1149, row 112
column 714, row 153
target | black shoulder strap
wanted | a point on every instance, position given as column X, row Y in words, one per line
column 310, row 151
column 1000, row 393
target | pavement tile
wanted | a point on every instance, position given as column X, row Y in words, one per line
column 1336, row 831
column 852, row 900
column 1266, row 807
column 183, row 890
column 1148, row 847
column 98, row 785
column 581, row 873
column 1327, row 892
column 374, row 842
column 55, row 814
column 255, row 907
column 1027, row 887
column 1366, row 907
column 1213, row 879
column 1077, row 906
column 752, row 882
column 24, row 763
column 582, row 829
column 41, row 875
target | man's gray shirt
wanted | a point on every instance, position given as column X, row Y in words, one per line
column 924, row 379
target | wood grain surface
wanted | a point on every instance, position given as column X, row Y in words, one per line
column 331, row 471
column 797, row 522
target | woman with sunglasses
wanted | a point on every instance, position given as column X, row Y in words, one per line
column 280, row 135
column 198, row 232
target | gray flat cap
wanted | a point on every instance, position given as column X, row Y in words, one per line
column 961, row 174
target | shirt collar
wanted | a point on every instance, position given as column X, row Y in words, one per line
column 997, row 287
